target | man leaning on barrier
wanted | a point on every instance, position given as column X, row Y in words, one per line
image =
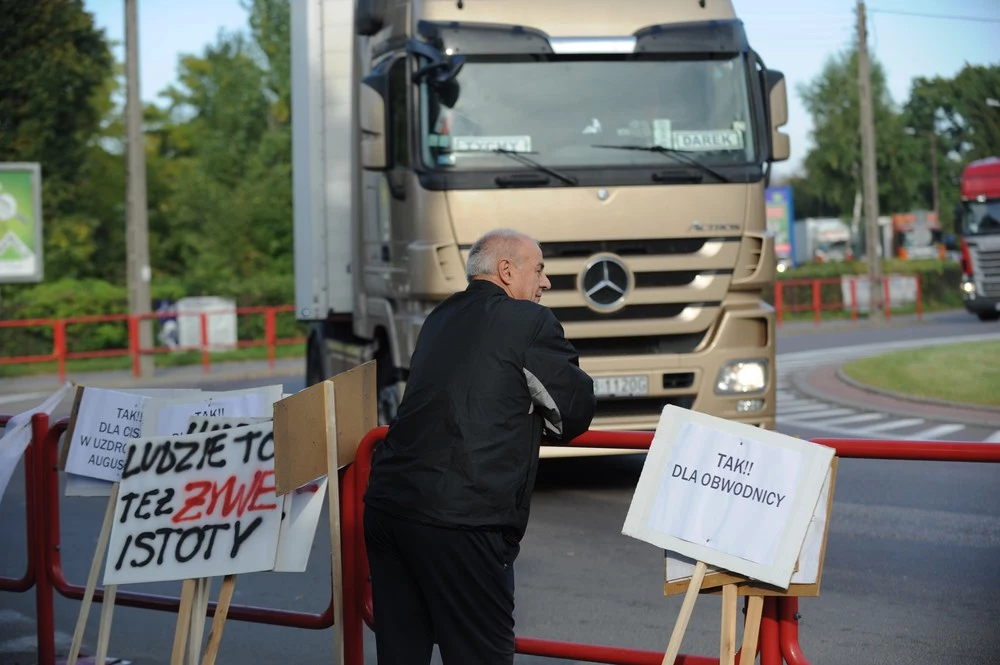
column 450, row 488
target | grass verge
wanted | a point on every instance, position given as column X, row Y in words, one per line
column 964, row 373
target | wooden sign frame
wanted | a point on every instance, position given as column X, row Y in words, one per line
column 316, row 433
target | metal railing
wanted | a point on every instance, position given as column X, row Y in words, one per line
column 778, row 629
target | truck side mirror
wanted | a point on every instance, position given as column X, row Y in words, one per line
column 372, row 113
column 778, row 113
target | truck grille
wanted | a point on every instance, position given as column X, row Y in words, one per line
column 677, row 287
column 640, row 406
column 986, row 266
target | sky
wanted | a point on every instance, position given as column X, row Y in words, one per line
column 793, row 36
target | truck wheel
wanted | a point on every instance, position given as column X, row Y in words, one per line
column 989, row 316
column 316, row 363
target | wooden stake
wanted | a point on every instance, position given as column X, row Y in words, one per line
column 751, row 629
column 727, row 645
column 183, row 622
column 95, row 570
column 198, row 612
column 333, row 499
column 219, row 621
column 674, row 646
column 104, row 632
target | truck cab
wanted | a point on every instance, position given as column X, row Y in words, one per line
column 977, row 219
column 633, row 140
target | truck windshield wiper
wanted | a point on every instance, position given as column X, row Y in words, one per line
column 682, row 156
column 518, row 156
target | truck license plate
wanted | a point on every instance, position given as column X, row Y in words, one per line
column 621, row 386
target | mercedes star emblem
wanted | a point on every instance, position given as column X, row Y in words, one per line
column 605, row 283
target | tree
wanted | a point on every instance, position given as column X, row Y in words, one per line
column 964, row 117
column 55, row 66
column 833, row 164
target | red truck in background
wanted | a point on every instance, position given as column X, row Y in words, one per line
column 977, row 221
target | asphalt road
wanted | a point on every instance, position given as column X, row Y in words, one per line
column 912, row 564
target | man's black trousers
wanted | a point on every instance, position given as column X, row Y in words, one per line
column 453, row 587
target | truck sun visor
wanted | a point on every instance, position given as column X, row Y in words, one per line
column 722, row 37
column 484, row 38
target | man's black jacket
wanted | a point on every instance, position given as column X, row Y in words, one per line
column 488, row 374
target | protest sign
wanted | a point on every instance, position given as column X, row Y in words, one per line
column 195, row 506
column 729, row 495
column 172, row 416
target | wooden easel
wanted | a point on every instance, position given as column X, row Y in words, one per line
column 732, row 587
column 189, row 631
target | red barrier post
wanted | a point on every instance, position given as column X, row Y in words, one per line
column 779, row 300
column 920, row 299
column 270, row 334
column 205, row 359
column 854, row 299
column 45, row 620
column 59, row 344
column 770, row 639
column 888, row 300
column 788, row 631
column 816, row 300
column 133, row 345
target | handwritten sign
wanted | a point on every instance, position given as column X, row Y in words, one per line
column 198, row 505
column 730, row 495
column 172, row 416
column 105, row 421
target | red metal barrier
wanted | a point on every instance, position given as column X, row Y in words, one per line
column 806, row 295
column 779, row 623
column 593, row 653
column 26, row 581
column 52, row 578
column 61, row 354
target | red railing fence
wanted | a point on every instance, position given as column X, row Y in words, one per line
column 61, row 353
column 779, row 624
column 840, row 294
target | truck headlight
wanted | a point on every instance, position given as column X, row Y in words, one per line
column 968, row 287
column 742, row 376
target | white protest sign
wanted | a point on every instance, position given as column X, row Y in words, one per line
column 680, row 567
column 17, row 435
column 162, row 417
column 727, row 494
column 105, row 421
column 194, row 506
column 302, row 507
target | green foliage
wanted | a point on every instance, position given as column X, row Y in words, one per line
column 833, row 165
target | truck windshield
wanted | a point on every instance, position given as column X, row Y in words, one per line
column 981, row 217
column 562, row 111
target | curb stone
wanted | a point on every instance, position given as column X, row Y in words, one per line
column 901, row 408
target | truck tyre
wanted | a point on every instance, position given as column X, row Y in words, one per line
column 317, row 362
column 989, row 316
column 387, row 386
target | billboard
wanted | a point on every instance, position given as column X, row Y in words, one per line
column 781, row 221
column 20, row 222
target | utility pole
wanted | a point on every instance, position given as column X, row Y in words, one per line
column 934, row 172
column 136, row 222
column 869, row 176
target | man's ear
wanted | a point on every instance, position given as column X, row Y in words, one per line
column 505, row 270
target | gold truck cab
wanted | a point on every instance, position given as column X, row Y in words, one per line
column 633, row 140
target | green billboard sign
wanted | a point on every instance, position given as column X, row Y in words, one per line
column 20, row 222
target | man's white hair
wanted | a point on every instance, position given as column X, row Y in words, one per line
column 487, row 252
